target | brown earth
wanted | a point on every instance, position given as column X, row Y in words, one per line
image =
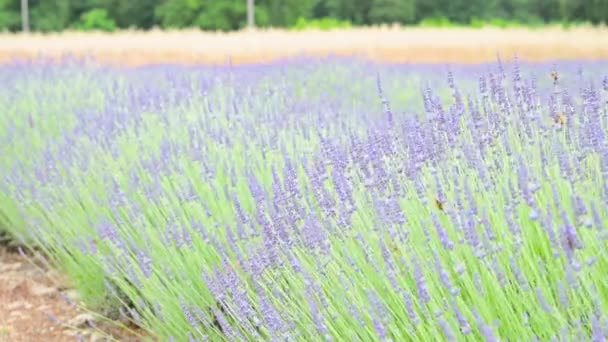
column 393, row 44
column 33, row 306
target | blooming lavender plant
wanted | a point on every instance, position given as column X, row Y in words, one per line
column 314, row 200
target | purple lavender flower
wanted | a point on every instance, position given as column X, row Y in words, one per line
column 444, row 276
column 409, row 306
column 191, row 337
column 173, row 232
column 519, row 276
column 511, row 224
column 258, row 193
column 465, row 327
column 226, row 327
column 200, row 228
column 486, row 330
column 274, row 322
column 291, row 179
column 420, row 281
column 498, row 272
column 355, row 313
column 133, row 276
column 563, row 294
column 523, row 179
column 485, row 221
column 569, row 236
column 564, row 161
column 548, row 225
column 317, row 314
column 386, row 255
column 597, row 221
column 385, row 103
column 580, row 209
column 447, row 330
column 239, row 210
column 341, row 185
column 379, row 328
column 470, row 230
column 107, row 230
column 187, row 313
column 314, row 235
column 543, row 302
column 478, row 283
column 144, row 262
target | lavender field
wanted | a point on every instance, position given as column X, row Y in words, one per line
column 318, row 199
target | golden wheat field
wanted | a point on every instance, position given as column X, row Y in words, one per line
column 395, row 44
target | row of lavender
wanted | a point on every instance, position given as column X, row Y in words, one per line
column 318, row 199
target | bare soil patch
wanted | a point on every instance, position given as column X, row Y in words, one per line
column 36, row 305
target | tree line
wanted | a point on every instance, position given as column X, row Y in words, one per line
column 56, row 15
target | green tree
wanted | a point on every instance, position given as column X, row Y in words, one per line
column 222, row 15
column 356, row 11
column 460, row 11
column 177, row 13
column 528, row 11
column 286, row 12
column 392, row 11
column 206, row 14
column 131, row 13
column 10, row 17
column 50, row 15
column 54, row 15
column 595, row 11
column 96, row 19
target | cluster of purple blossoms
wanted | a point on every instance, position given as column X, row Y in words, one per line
column 320, row 209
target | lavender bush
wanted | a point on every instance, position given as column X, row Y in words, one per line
column 308, row 200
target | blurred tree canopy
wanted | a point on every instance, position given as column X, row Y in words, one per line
column 10, row 17
column 55, row 15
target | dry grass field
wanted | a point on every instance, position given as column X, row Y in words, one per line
column 387, row 44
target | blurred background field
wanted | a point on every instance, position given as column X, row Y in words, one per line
column 226, row 15
column 201, row 31
column 393, row 44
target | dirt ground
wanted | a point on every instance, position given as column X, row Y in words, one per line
column 466, row 45
column 36, row 306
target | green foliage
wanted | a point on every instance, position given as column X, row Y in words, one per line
column 96, row 19
column 595, row 11
column 10, row 18
column 205, row 14
column 356, row 11
column 326, row 23
column 284, row 13
column 177, row 13
column 439, row 21
column 132, row 13
column 392, row 11
column 47, row 15
column 50, row 15
column 222, row 15
column 477, row 23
